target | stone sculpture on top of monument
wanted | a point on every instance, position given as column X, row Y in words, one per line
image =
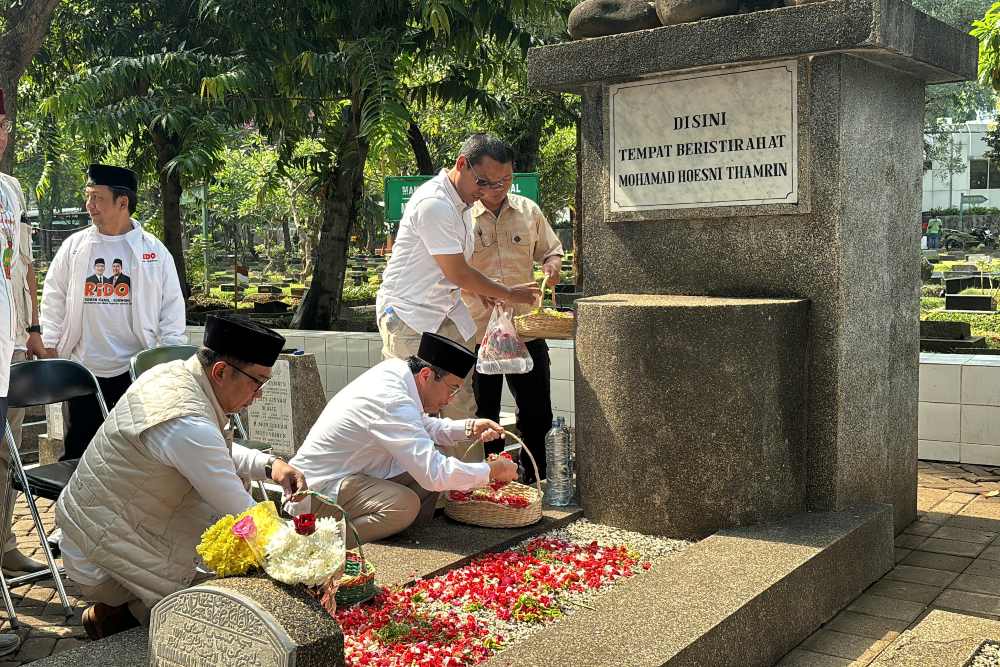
column 597, row 18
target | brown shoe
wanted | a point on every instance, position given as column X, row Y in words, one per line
column 103, row 620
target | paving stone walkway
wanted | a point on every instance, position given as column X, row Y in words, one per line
column 949, row 558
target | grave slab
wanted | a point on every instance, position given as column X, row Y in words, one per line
column 942, row 639
column 720, row 601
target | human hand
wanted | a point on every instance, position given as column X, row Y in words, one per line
column 552, row 268
column 488, row 301
column 50, row 353
column 36, row 349
column 502, row 469
column 292, row 481
column 528, row 293
column 486, row 430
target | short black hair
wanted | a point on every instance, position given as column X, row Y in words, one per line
column 207, row 357
column 481, row 145
column 99, row 260
column 417, row 364
column 128, row 194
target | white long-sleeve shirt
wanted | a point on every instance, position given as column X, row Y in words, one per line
column 376, row 426
column 196, row 448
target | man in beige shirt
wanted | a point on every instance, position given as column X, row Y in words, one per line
column 511, row 235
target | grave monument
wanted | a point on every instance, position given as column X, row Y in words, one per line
column 290, row 404
column 747, row 348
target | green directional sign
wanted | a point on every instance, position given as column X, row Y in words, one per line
column 974, row 199
column 399, row 189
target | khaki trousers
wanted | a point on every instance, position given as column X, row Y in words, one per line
column 15, row 417
column 399, row 341
column 381, row 507
column 114, row 594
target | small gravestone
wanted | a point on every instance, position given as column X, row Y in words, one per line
column 290, row 404
column 246, row 621
column 965, row 268
column 228, row 287
column 268, row 289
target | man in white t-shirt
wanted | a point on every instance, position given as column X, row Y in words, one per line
column 11, row 211
column 88, row 317
column 422, row 284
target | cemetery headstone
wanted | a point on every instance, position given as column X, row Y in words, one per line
column 268, row 289
column 243, row 621
column 290, row 404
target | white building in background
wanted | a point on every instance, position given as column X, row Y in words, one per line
column 980, row 177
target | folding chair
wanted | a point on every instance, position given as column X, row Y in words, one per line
column 146, row 359
column 32, row 383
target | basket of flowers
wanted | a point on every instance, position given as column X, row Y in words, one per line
column 548, row 323
column 499, row 505
column 305, row 551
column 358, row 581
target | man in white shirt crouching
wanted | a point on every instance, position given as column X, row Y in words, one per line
column 373, row 448
column 160, row 470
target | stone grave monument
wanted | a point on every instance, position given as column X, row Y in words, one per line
column 247, row 621
column 291, row 403
column 747, row 348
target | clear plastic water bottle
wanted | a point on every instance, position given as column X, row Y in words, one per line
column 559, row 474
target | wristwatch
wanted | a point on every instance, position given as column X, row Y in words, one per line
column 269, row 466
column 34, row 328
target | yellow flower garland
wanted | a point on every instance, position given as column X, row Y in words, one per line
column 228, row 555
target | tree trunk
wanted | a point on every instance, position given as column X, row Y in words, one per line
column 340, row 194
column 286, row 237
column 25, row 27
column 425, row 165
column 167, row 148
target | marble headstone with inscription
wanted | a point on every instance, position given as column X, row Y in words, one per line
column 291, row 403
column 244, row 621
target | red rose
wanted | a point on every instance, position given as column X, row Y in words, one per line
column 305, row 524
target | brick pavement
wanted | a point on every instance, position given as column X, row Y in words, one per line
column 949, row 558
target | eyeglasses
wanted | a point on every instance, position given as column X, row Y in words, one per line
column 453, row 392
column 484, row 183
column 6, row 126
column 260, row 383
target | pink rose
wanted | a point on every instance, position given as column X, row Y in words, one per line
column 245, row 528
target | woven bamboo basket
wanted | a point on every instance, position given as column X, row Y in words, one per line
column 494, row 515
column 358, row 582
column 543, row 325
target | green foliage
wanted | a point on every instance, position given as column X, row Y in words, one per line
column 968, row 210
column 557, row 171
column 928, row 304
column 930, row 290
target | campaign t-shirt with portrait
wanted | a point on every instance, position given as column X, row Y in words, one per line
column 109, row 341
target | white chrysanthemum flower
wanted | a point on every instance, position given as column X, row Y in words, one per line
column 306, row 559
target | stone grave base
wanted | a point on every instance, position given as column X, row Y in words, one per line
column 418, row 552
column 744, row 596
column 942, row 639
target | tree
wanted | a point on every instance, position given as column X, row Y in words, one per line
column 345, row 67
column 945, row 154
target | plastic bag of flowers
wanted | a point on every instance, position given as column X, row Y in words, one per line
column 306, row 550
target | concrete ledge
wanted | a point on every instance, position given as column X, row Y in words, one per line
column 126, row 649
column 741, row 597
column 889, row 32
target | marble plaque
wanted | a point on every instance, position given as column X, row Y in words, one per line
column 271, row 414
column 719, row 138
column 207, row 626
